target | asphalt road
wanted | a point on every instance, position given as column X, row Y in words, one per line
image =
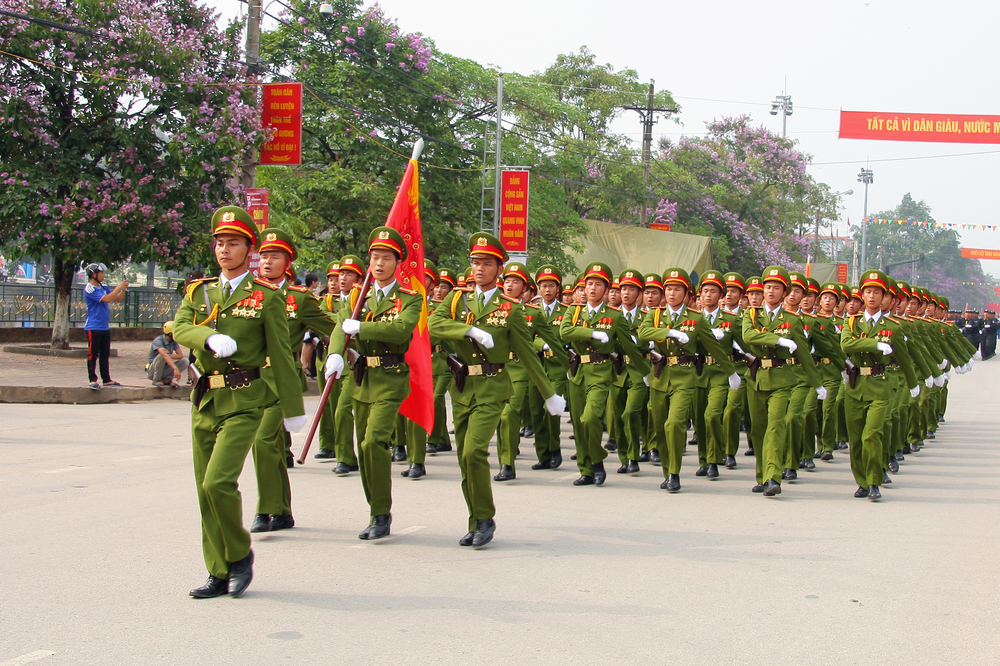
column 102, row 542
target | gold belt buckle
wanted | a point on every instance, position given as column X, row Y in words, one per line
column 672, row 360
column 585, row 358
column 826, row 361
column 766, row 363
column 548, row 353
column 475, row 370
column 628, row 361
column 709, row 360
column 373, row 361
column 216, row 381
column 866, row 372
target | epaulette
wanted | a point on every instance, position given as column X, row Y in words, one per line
column 266, row 283
column 508, row 298
column 534, row 306
column 792, row 313
column 299, row 287
column 615, row 307
column 407, row 290
column 894, row 319
column 824, row 316
column 193, row 285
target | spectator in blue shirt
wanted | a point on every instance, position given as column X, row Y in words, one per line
column 98, row 323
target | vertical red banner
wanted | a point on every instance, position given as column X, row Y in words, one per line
column 514, row 210
column 257, row 207
column 283, row 115
column 842, row 273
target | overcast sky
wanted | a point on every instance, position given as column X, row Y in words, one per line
column 725, row 58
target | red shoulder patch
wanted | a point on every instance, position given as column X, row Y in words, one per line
column 298, row 287
column 407, row 290
column 266, row 283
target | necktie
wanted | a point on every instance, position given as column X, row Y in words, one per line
column 378, row 296
column 482, row 301
column 674, row 316
column 628, row 316
column 227, row 289
column 770, row 316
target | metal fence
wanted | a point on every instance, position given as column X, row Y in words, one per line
column 26, row 305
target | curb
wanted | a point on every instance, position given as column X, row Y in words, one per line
column 45, row 350
column 69, row 395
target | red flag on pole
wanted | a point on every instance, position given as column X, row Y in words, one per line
column 404, row 217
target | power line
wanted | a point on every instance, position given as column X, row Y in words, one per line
column 904, row 159
column 53, row 24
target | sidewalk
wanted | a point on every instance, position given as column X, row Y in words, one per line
column 26, row 378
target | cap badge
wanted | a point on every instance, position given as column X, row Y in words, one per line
column 272, row 237
column 383, row 235
column 228, row 216
column 481, row 241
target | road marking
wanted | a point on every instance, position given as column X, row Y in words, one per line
column 28, row 658
column 411, row 530
column 60, row 471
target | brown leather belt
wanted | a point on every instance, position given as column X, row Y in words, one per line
column 777, row 362
column 437, row 349
column 711, row 360
column 488, row 369
column 234, row 380
column 384, row 361
column 822, row 361
column 594, row 358
column 683, row 359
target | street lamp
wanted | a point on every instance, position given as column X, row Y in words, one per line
column 782, row 104
column 867, row 177
column 833, row 241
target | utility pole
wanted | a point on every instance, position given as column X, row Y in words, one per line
column 646, row 114
column 497, row 158
column 867, row 177
column 782, row 104
column 816, row 248
column 248, row 175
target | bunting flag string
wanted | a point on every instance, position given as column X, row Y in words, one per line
column 938, row 225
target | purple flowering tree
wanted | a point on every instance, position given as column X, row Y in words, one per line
column 114, row 147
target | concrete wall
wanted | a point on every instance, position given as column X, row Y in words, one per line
column 19, row 334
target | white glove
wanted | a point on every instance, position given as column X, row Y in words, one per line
column 843, row 373
column 635, row 340
column 555, row 404
column 978, row 355
column 351, row 326
column 652, row 345
column 296, row 423
column 480, row 336
column 645, row 380
column 545, row 347
column 929, row 382
column 939, row 381
column 947, row 376
column 915, row 391
column 718, row 333
column 942, row 365
column 600, row 336
column 961, row 370
column 734, row 381
column 788, row 344
column 680, row 336
column 968, row 366
column 850, row 363
column 750, row 357
column 334, row 366
column 884, row 347
column 821, row 392
column 223, row 345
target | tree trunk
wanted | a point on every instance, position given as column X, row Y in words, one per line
column 62, row 276
column 151, row 274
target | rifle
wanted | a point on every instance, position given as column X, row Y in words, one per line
column 325, row 396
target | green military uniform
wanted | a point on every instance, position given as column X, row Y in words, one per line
column 713, row 385
column 508, row 434
column 631, row 394
column 556, row 364
column 652, row 442
column 230, row 398
column 735, row 411
column 582, row 328
column 387, row 320
column 772, row 381
column 830, row 365
column 327, row 422
column 679, row 336
column 439, row 440
column 270, row 445
column 499, row 324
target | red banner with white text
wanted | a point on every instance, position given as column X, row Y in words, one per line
column 932, row 127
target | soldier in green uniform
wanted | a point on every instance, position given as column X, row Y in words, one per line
column 595, row 331
column 515, row 282
column 832, row 371
column 754, row 299
column 680, row 335
column 777, row 339
column 713, row 385
column 485, row 328
column 736, row 410
column 271, row 445
column 868, row 341
column 548, row 279
column 439, row 440
column 233, row 324
column 383, row 334
column 631, row 394
column 352, row 273
column 652, row 442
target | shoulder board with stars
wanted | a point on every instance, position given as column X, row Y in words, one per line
column 407, row 290
column 791, row 313
column 533, row 306
column 508, row 298
column 194, row 285
column 265, row 282
column 614, row 307
column 298, row 287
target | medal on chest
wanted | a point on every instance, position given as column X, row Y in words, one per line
column 249, row 307
column 291, row 307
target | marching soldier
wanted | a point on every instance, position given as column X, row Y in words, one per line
column 736, row 409
column 383, row 335
column 629, row 389
column 485, row 328
column 680, row 335
column 554, row 360
column 829, row 298
column 653, row 442
column 439, row 440
column 868, row 341
column 274, row 505
column 777, row 340
column 515, row 282
column 328, row 420
column 233, row 324
column 595, row 331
